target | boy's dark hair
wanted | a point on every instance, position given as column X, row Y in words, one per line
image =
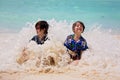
column 74, row 24
column 42, row 25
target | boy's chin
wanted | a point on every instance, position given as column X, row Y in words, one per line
column 78, row 33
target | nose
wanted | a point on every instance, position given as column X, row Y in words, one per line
column 78, row 26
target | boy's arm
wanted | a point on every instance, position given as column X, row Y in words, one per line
column 69, row 43
column 66, row 43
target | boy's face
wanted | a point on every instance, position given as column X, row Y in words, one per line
column 40, row 32
column 78, row 29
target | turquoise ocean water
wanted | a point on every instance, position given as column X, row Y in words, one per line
column 14, row 14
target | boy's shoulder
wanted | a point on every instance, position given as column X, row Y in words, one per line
column 34, row 37
column 70, row 36
column 82, row 38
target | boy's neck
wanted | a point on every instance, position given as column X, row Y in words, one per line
column 77, row 37
column 41, row 36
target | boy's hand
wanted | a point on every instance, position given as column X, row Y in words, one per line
column 72, row 53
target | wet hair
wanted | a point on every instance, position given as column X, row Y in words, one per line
column 42, row 25
column 74, row 24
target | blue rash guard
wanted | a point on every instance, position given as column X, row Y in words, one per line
column 75, row 46
column 39, row 41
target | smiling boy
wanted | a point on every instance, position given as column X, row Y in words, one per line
column 75, row 43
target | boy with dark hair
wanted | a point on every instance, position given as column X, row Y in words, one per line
column 40, row 38
column 75, row 43
column 42, row 31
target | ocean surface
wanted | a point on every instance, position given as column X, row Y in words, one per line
column 14, row 15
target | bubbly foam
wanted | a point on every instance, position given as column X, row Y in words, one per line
column 102, row 55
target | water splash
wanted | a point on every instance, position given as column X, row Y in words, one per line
column 102, row 55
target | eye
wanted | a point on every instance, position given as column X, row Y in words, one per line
column 78, row 26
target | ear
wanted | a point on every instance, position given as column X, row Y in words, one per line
column 73, row 30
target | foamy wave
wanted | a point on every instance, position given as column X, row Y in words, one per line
column 102, row 55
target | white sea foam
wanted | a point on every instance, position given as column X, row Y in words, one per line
column 103, row 53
